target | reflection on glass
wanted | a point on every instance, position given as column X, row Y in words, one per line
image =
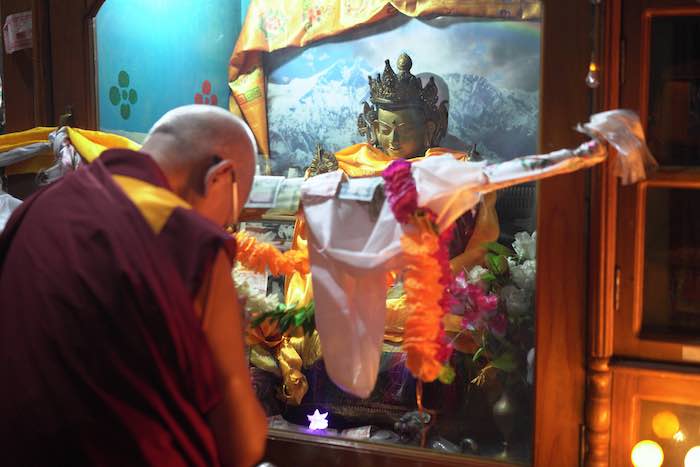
column 482, row 404
column 661, row 417
column 674, row 90
column 692, row 458
column 672, row 263
column 647, row 453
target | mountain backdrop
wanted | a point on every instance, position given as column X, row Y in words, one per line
column 323, row 109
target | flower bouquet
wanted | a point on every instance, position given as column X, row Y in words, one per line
column 497, row 306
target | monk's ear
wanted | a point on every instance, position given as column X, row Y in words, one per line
column 219, row 170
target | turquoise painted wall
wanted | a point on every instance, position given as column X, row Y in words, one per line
column 154, row 55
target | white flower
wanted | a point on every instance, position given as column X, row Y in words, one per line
column 525, row 245
column 523, row 275
column 518, row 302
column 253, row 301
column 475, row 275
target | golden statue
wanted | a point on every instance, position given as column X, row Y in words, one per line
column 402, row 121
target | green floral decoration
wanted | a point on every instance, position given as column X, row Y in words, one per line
column 122, row 95
column 289, row 316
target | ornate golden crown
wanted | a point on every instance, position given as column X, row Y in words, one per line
column 391, row 90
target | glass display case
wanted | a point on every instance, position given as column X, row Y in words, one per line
column 657, row 418
column 658, row 233
column 486, row 73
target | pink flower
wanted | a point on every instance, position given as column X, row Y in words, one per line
column 401, row 190
column 445, row 353
column 478, row 306
column 498, row 324
column 487, row 303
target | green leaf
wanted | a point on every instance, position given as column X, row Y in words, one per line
column 285, row 321
column 504, row 362
column 447, row 375
column 499, row 249
column 488, row 277
column 498, row 265
column 258, row 320
column 478, row 354
column 299, row 318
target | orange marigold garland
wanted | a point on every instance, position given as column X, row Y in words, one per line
column 258, row 256
column 427, row 276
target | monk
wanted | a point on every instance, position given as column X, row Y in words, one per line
column 121, row 340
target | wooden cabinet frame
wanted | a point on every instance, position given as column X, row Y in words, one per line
column 617, row 242
column 628, row 340
column 634, row 384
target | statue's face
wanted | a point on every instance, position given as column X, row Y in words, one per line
column 402, row 133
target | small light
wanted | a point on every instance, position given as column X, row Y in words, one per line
column 679, row 437
column 593, row 76
column 318, row 421
column 647, row 453
column 692, row 457
column 665, row 424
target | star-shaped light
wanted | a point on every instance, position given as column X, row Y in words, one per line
column 318, row 420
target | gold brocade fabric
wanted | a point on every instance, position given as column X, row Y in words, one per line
column 294, row 384
column 364, row 160
column 284, row 356
column 278, row 24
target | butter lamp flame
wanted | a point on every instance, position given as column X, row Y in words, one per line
column 692, row 457
column 647, row 453
column 318, row 420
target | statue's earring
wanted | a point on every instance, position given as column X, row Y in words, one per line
column 430, row 129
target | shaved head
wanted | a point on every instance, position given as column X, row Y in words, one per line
column 195, row 144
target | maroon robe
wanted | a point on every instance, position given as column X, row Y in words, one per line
column 102, row 358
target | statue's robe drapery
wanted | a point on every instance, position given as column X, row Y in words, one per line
column 471, row 231
column 103, row 358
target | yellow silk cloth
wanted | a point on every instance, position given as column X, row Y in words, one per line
column 20, row 139
column 89, row 144
column 284, row 356
column 364, row 160
column 153, row 202
column 277, row 24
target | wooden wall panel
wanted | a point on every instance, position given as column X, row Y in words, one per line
column 71, row 59
column 562, row 239
column 18, row 76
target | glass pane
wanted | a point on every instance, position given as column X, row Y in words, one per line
column 488, row 71
column 668, row 430
column 674, row 91
column 672, row 263
column 154, row 56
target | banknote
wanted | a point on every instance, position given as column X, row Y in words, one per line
column 359, row 189
column 256, row 281
column 264, row 191
column 289, row 195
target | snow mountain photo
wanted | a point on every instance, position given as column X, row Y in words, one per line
column 315, row 96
